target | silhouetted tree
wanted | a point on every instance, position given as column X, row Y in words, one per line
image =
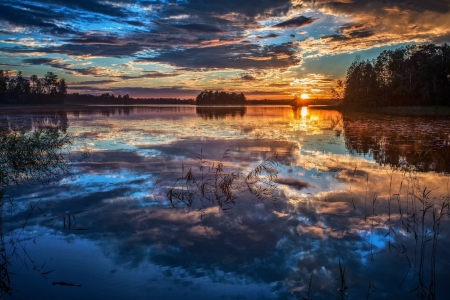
column 4, row 80
column 126, row 99
column 336, row 93
column 62, row 90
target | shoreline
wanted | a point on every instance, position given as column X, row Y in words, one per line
column 393, row 110
column 15, row 106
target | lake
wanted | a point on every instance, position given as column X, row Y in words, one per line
column 185, row 202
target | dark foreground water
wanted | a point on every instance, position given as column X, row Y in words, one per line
column 224, row 203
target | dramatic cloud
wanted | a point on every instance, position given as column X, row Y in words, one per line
column 270, row 36
column 142, row 92
column 207, row 44
column 231, row 57
column 35, row 16
column 94, row 82
column 250, row 8
column 94, row 6
column 296, row 22
column 94, row 39
column 198, row 28
column 248, row 77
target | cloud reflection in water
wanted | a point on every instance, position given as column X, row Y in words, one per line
column 333, row 206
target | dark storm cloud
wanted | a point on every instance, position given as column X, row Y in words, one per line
column 198, row 28
column 356, row 30
column 94, row 82
column 336, row 37
column 46, row 61
column 135, row 23
column 248, row 77
column 269, row 36
column 279, row 85
column 49, row 16
column 440, row 6
column 202, row 40
column 150, row 74
column 10, row 65
column 259, row 93
column 38, row 61
column 350, row 31
column 94, row 39
column 350, row 26
column 250, row 8
column 235, row 56
column 96, row 71
column 442, row 39
column 198, row 34
column 296, row 22
column 136, row 92
column 34, row 16
column 93, row 6
column 106, row 50
column 361, row 33
column 56, row 63
column 111, row 45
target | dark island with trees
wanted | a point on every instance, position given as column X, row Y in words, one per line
column 407, row 76
column 220, row 98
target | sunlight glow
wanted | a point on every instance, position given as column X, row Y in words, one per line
column 304, row 96
column 304, row 112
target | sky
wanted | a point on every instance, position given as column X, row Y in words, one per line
column 268, row 49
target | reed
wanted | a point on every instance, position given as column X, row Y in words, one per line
column 214, row 183
column 5, row 258
column 343, row 286
column 308, row 291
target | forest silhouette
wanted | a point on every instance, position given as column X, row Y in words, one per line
column 411, row 75
column 20, row 90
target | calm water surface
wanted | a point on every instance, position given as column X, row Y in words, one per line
column 164, row 206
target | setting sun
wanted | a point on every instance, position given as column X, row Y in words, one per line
column 304, row 96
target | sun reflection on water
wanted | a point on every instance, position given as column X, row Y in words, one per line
column 304, row 112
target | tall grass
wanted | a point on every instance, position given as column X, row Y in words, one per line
column 215, row 183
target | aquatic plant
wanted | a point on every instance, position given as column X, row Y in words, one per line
column 40, row 156
column 214, row 183
column 36, row 156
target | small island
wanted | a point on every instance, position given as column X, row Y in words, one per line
column 220, row 98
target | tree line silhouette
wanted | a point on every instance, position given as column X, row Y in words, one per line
column 107, row 98
column 220, row 98
column 35, row 90
column 411, row 75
